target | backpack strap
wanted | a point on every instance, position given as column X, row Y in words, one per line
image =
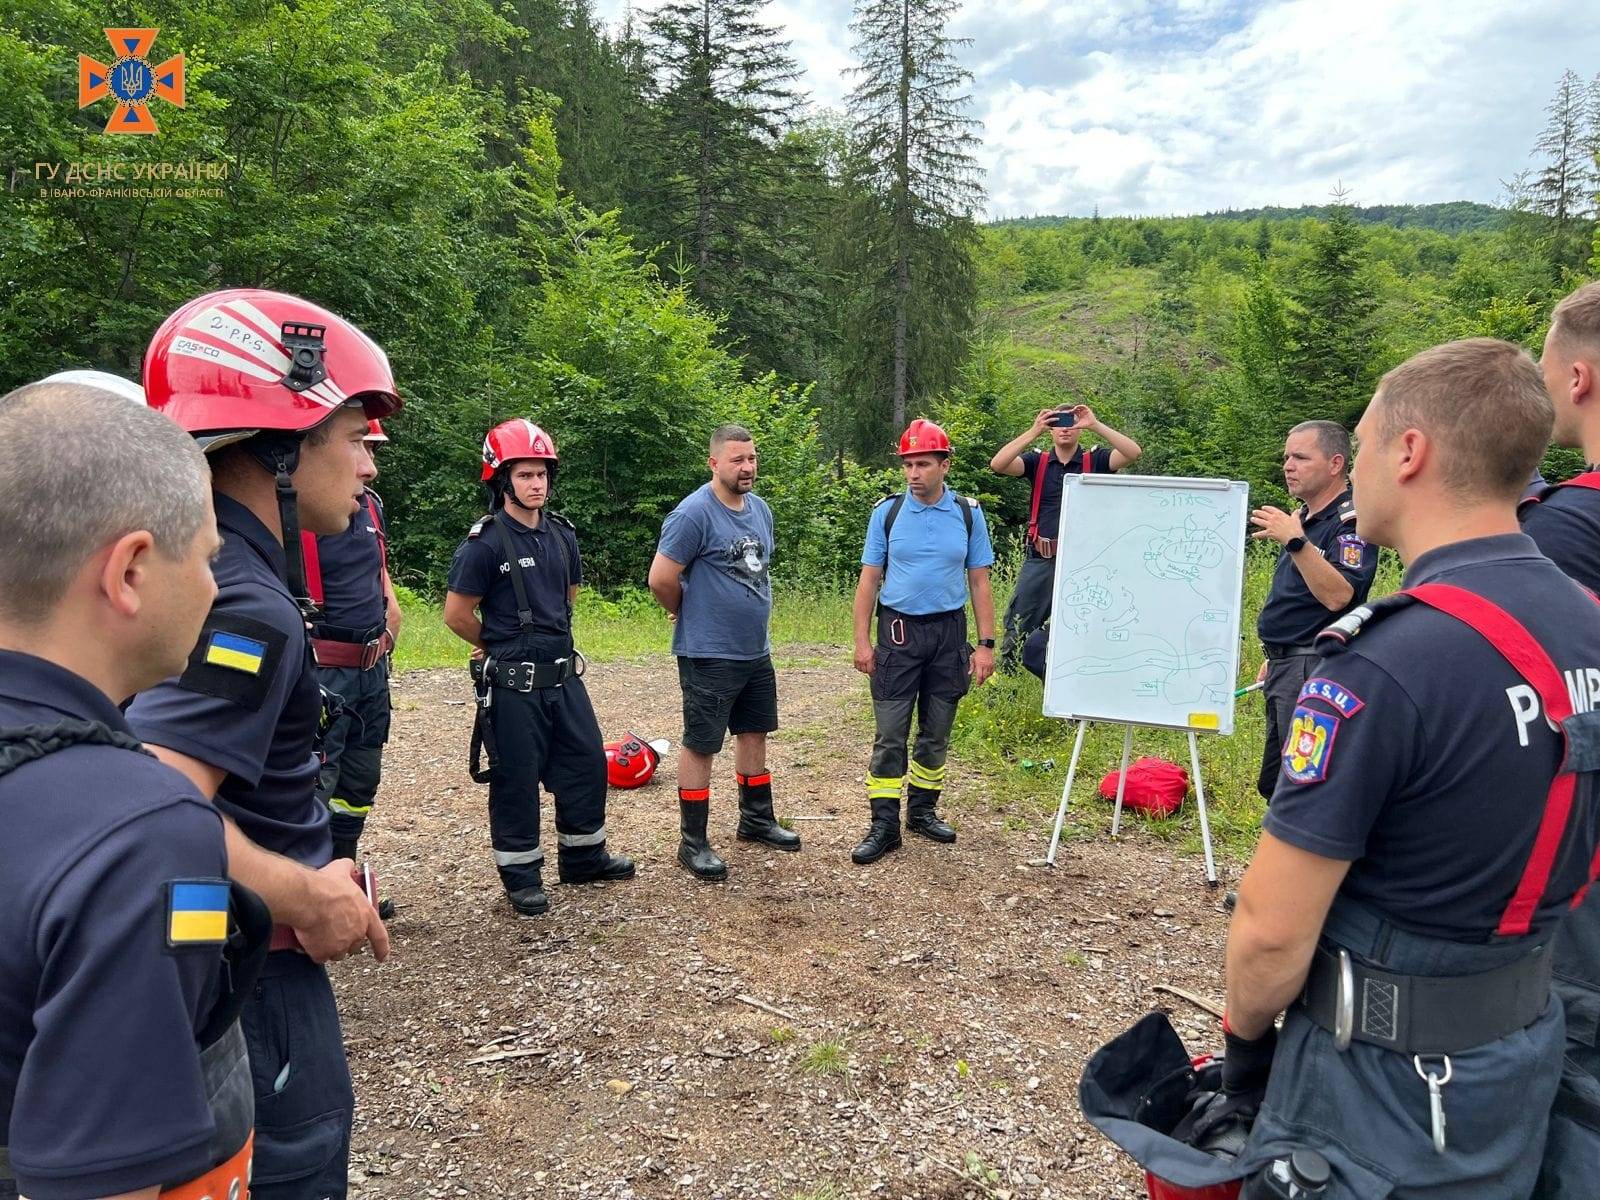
column 895, row 506
column 313, row 566
column 1086, row 462
column 1588, row 479
column 383, row 536
column 1512, row 641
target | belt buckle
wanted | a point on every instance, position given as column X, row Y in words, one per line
column 1344, row 1003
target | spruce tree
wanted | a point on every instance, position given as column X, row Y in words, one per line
column 726, row 192
column 1559, row 188
column 918, row 191
column 1330, row 365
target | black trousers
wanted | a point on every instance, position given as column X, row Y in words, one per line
column 547, row 737
column 304, row 1101
column 352, row 749
column 1284, row 679
column 922, row 665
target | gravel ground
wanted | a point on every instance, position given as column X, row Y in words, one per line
column 810, row 1029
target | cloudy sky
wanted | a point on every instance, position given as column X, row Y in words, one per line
column 1181, row 106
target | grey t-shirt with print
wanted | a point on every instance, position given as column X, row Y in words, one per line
column 727, row 594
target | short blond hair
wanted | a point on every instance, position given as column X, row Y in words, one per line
column 1483, row 403
column 1576, row 320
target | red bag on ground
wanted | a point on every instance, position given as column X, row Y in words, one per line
column 1155, row 786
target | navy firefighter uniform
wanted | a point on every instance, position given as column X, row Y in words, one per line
column 249, row 703
column 1564, row 520
column 122, row 1065
column 1446, row 747
column 1292, row 616
column 534, row 716
column 347, row 574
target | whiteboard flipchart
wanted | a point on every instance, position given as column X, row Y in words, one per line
column 1145, row 623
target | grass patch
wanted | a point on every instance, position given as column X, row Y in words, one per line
column 828, row 1057
column 823, row 1191
column 631, row 625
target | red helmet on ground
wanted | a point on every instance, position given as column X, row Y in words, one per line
column 511, row 440
column 632, row 762
column 375, row 432
column 922, row 436
column 234, row 363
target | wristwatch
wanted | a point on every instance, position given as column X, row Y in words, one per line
column 1295, row 544
column 986, row 643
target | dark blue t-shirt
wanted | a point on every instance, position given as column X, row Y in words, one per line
column 727, row 586
column 353, row 602
column 550, row 564
column 100, row 1083
column 249, row 702
column 1292, row 616
column 1418, row 755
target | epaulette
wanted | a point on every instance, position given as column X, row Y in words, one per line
column 884, row 500
column 972, row 501
column 477, row 530
column 1338, row 636
column 561, row 520
column 1347, row 514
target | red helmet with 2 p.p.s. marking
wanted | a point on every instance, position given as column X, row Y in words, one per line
column 632, row 762
column 233, row 363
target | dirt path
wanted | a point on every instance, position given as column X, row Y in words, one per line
column 939, row 1005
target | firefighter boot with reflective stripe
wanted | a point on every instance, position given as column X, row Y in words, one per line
column 611, row 868
column 921, row 818
column 756, row 820
column 529, row 901
column 883, row 835
column 694, row 852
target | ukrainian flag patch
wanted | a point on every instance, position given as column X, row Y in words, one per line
column 197, row 912
column 235, row 652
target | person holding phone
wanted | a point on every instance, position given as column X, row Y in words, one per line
column 1030, row 601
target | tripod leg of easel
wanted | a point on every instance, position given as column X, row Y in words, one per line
column 1066, row 792
column 1122, row 778
column 1200, row 800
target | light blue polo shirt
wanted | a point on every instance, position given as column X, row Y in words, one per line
column 931, row 554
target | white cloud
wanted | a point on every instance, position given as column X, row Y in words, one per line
column 1174, row 106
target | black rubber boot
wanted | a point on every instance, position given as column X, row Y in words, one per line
column 346, row 848
column 756, row 820
column 921, row 819
column 529, row 901
column 883, row 835
column 694, row 852
column 610, row 869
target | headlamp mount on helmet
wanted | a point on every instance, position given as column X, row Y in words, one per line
column 305, row 345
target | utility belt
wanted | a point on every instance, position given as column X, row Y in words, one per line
column 1424, row 1014
column 1278, row 650
column 524, row 677
column 285, row 938
column 1043, row 547
column 364, row 650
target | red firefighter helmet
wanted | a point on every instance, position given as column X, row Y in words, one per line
column 375, row 432
column 511, row 440
column 632, row 762
column 922, row 436
column 234, row 363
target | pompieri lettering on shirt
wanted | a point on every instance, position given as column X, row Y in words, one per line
column 1583, row 690
column 525, row 561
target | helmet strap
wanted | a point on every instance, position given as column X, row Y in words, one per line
column 505, row 493
column 280, row 456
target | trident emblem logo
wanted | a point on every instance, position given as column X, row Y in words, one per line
column 130, row 80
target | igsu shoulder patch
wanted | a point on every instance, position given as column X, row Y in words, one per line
column 1335, row 695
column 1309, row 750
column 197, row 912
column 235, row 659
column 1351, row 549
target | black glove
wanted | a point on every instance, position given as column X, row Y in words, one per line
column 1246, row 1064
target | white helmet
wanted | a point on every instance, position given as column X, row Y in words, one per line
column 104, row 380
